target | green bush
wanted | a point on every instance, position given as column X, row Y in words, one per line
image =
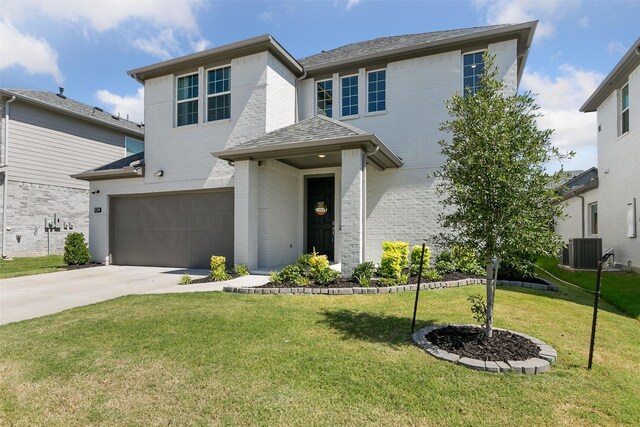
column 290, row 275
column 318, row 264
column 478, row 308
column 466, row 261
column 415, row 259
column 327, row 276
column 387, row 281
column 76, row 251
column 431, row 274
column 218, row 272
column 444, row 263
column 363, row 273
column 241, row 270
column 394, row 259
column 304, row 264
column 185, row 279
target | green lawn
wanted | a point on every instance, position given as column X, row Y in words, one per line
column 621, row 289
column 230, row 359
column 28, row 266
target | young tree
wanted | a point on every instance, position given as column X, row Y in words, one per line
column 498, row 198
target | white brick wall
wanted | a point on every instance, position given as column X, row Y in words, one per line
column 352, row 210
column 619, row 174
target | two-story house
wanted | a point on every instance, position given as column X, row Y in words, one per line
column 45, row 138
column 617, row 103
column 260, row 157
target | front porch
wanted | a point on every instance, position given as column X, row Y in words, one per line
column 303, row 187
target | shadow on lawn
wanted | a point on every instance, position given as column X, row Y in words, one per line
column 372, row 327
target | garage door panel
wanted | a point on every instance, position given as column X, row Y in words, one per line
column 173, row 230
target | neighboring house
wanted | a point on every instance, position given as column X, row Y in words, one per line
column 617, row 102
column 45, row 138
column 259, row 157
column 581, row 196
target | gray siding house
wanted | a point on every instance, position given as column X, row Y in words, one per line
column 44, row 138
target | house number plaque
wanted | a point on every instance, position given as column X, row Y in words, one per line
column 321, row 208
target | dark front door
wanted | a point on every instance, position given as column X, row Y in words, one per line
column 320, row 215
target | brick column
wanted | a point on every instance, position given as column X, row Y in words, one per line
column 352, row 210
column 246, row 214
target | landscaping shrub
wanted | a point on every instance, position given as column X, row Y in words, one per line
column 315, row 266
column 218, row 272
column 241, row 270
column 478, row 308
column 318, row 264
column 363, row 273
column 466, row 261
column 304, row 264
column 290, row 275
column 327, row 276
column 76, row 251
column 444, row 263
column 431, row 274
column 185, row 279
column 387, row 281
column 394, row 259
column 415, row 259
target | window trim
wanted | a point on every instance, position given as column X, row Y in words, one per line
column 624, row 110
column 464, row 92
column 367, row 72
column 333, row 104
column 197, row 98
column 207, row 95
column 350, row 116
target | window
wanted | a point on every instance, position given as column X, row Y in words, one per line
column 219, row 94
column 377, row 91
column 324, row 91
column 187, row 100
column 473, row 67
column 132, row 146
column 625, row 109
column 593, row 218
column 349, row 92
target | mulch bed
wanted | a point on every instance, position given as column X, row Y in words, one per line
column 81, row 266
column 467, row 341
column 208, row 279
column 350, row 283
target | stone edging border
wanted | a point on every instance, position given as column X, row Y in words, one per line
column 548, row 286
column 533, row 366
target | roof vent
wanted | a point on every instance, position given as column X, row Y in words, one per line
column 98, row 109
column 61, row 93
column 116, row 117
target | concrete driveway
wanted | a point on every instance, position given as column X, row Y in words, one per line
column 33, row 296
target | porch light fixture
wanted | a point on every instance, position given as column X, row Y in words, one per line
column 322, row 156
column 159, row 173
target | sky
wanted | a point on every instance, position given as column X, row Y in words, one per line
column 87, row 46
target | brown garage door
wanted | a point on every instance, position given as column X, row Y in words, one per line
column 171, row 230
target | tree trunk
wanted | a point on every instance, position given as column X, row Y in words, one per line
column 488, row 332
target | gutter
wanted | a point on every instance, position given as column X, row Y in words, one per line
column 5, row 168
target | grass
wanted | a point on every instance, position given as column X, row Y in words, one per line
column 28, row 266
column 230, row 359
column 620, row 289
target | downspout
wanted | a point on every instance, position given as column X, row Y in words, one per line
column 5, row 168
column 582, row 211
column 297, row 112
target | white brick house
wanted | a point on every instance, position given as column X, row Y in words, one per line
column 617, row 103
column 260, row 157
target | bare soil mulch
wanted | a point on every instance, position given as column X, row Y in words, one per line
column 468, row 341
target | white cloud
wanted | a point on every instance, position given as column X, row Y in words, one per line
column 616, row 48
column 35, row 55
column 200, row 45
column 266, row 17
column 514, row 12
column 133, row 105
column 560, row 99
column 163, row 46
column 352, row 3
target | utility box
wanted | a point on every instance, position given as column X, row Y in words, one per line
column 585, row 253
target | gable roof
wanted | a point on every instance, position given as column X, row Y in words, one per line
column 69, row 106
column 580, row 183
column 128, row 167
column 411, row 45
column 616, row 78
column 316, row 135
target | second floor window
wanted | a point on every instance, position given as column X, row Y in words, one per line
column 133, row 146
column 473, row 67
column 187, row 100
column 324, row 95
column 349, row 96
column 377, row 91
column 625, row 110
column 219, row 94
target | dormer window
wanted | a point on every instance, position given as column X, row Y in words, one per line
column 473, row 67
column 219, row 94
column 187, row 100
column 324, row 96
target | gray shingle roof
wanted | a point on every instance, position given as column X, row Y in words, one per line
column 68, row 105
column 384, row 44
column 316, row 128
column 121, row 163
